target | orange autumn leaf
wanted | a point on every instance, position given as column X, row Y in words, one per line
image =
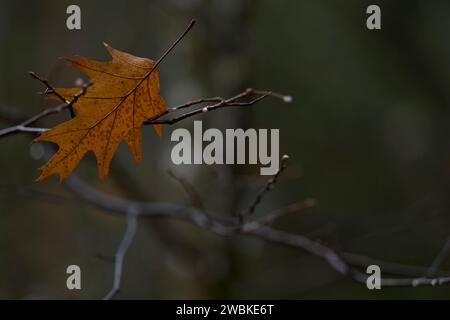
column 124, row 93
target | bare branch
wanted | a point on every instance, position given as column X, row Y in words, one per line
column 25, row 125
column 227, row 228
column 50, row 90
column 183, row 106
column 269, row 186
column 20, row 128
column 130, row 232
column 222, row 103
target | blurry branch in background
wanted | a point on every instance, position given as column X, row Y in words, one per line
column 440, row 258
column 259, row 229
column 128, row 237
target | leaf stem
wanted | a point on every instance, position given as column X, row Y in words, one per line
column 189, row 27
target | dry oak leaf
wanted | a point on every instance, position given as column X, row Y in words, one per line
column 124, row 93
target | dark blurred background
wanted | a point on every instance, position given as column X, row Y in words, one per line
column 367, row 133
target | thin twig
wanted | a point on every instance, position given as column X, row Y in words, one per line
column 223, row 103
column 130, row 232
column 183, row 106
column 25, row 125
column 50, row 90
column 77, row 96
column 220, row 103
column 20, row 128
column 153, row 68
column 269, row 186
column 168, row 50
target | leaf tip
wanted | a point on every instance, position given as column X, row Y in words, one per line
column 40, row 178
column 158, row 129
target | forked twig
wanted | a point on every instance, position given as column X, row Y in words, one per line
column 25, row 125
column 234, row 101
column 50, row 90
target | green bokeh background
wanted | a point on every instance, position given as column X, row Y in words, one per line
column 367, row 134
